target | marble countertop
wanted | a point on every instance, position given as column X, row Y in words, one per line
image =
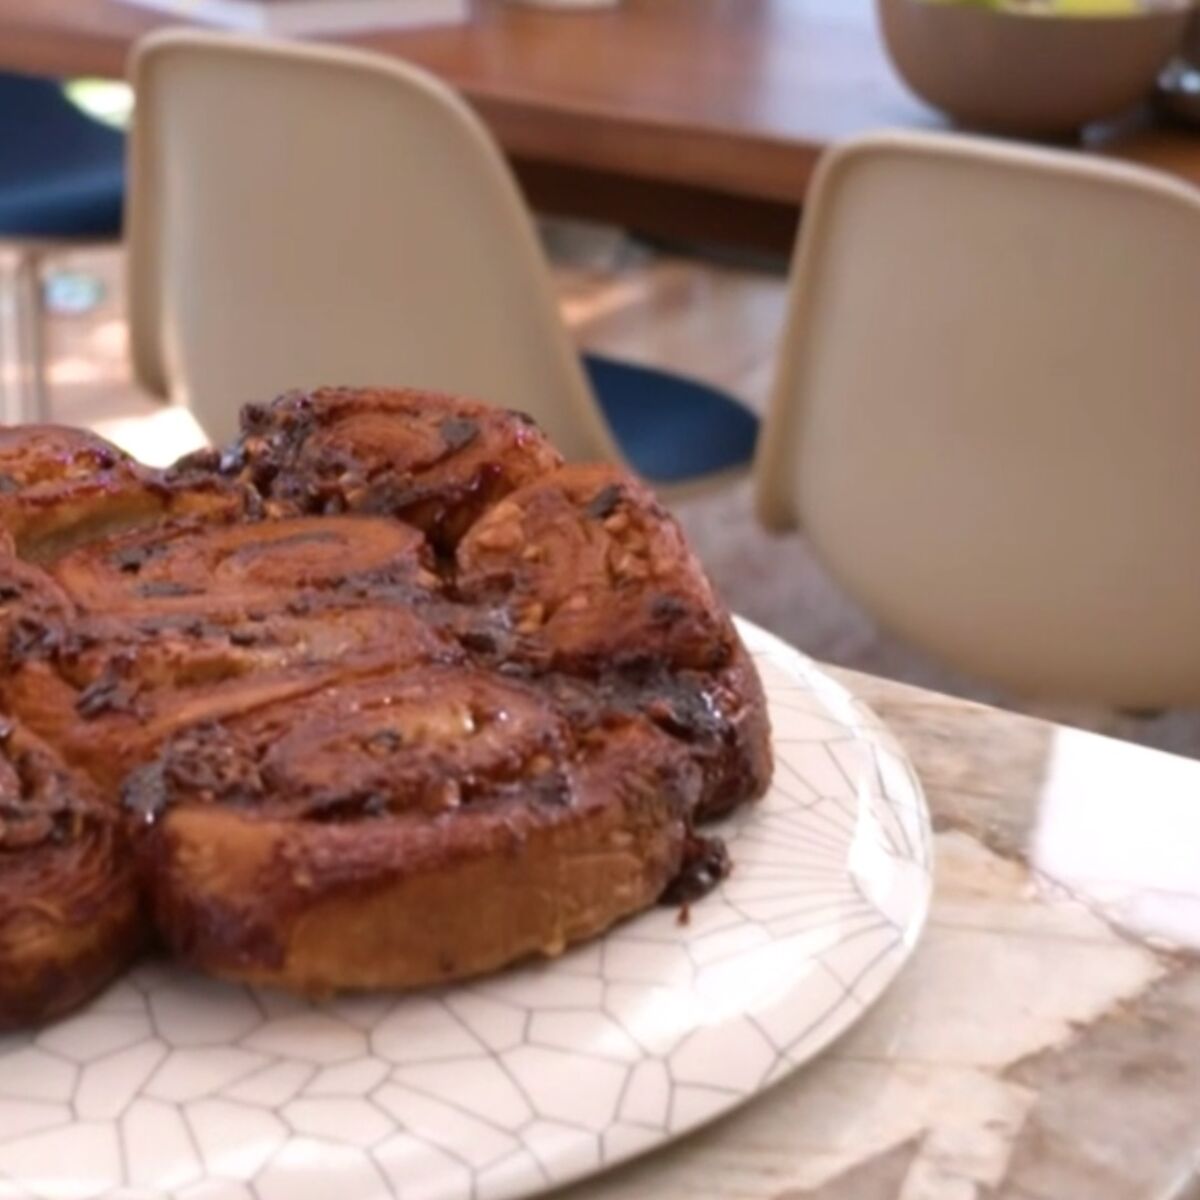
column 1044, row 1043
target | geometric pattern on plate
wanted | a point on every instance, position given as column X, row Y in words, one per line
column 169, row 1085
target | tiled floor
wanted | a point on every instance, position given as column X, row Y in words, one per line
column 716, row 323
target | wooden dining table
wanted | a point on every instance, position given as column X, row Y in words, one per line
column 688, row 119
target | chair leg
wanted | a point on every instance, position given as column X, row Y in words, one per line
column 23, row 392
column 31, row 312
column 10, row 354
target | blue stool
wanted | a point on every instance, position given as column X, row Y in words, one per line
column 62, row 178
column 672, row 429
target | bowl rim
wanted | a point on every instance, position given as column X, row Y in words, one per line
column 1161, row 10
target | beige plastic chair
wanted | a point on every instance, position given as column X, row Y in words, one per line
column 232, row 298
column 986, row 415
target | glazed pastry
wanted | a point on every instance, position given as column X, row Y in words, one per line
column 389, row 697
column 63, row 487
column 188, row 568
column 109, row 693
column 593, row 572
column 410, row 830
column 69, row 916
column 433, row 461
column 719, row 716
column 34, row 611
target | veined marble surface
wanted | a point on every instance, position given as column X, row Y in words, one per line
column 1044, row 1044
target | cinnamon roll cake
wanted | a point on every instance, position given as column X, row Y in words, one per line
column 380, row 696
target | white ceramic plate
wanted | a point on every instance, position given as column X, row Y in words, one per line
column 171, row 1085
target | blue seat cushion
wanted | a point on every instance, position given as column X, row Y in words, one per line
column 62, row 174
column 671, row 428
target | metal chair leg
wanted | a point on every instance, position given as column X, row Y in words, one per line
column 31, row 325
column 23, row 391
column 10, row 354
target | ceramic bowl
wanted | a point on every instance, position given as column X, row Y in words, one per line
column 1041, row 76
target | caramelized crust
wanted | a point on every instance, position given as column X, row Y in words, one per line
column 110, row 694
column 375, row 806
column 384, row 695
column 69, row 916
column 593, row 572
column 35, row 612
column 187, row 568
column 433, row 461
column 719, row 716
column 61, row 488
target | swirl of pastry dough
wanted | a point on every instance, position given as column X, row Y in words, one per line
column 395, row 832
column 61, row 488
column 185, row 568
column 434, row 461
column 69, row 916
column 430, row 740
column 112, row 691
column 593, row 573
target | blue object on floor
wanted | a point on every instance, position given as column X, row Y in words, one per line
column 62, row 174
column 670, row 428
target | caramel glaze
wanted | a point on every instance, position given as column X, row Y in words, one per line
column 434, row 462
column 108, row 694
column 385, row 656
column 61, row 487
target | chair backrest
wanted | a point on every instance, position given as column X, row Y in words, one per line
column 303, row 215
column 986, row 414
